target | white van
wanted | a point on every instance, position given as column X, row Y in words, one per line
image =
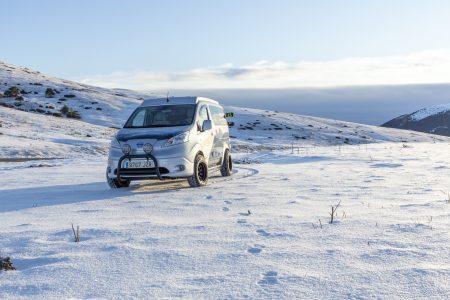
column 176, row 137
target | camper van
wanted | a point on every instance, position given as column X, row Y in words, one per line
column 176, row 137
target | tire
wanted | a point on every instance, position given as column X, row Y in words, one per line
column 115, row 183
column 227, row 164
column 200, row 176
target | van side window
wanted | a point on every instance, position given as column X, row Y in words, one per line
column 218, row 115
column 202, row 115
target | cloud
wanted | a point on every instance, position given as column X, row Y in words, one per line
column 416, row 68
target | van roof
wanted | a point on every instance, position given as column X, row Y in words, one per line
column 177, row 101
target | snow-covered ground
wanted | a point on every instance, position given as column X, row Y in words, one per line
column 390, row 238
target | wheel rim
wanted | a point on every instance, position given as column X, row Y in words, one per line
column 202, row 172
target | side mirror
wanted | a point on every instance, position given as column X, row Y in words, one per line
column 207, row 125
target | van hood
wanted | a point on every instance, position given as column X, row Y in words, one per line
column 160, row 133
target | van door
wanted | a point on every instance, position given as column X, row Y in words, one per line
column 205, row 138
column 220, row 134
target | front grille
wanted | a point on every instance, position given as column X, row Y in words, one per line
column 142, row 172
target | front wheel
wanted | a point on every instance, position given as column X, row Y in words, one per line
column 227, row 164
column 115, row 183
column 200, row 176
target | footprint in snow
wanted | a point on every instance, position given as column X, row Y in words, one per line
column 269, row 278
column 209, row 197
column 227, row 202
column 242, row 221
column 256, row 249
column 246, row 214
column 225, row 209
column 262, row 232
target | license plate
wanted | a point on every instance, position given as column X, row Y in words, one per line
column 138, row 164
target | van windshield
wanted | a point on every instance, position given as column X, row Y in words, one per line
column 161, row 116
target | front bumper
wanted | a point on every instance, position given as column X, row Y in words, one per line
column 165, row 167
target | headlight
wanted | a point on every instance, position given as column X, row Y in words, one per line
column 178, row 139
column 115, row 143
column 148, row 148
column 126, row 149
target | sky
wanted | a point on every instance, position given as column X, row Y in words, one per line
column 230, row 44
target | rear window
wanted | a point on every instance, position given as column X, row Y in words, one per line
column 161, row 116
column 217, row 115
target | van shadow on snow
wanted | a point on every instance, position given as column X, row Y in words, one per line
column 24, row 198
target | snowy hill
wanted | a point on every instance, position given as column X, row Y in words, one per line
column 29, row 135
column 32, row 91
column 434, row 119
column 263, row 127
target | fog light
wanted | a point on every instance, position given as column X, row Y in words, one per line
column 126, row 149
column 148, row 148
column 181, row 167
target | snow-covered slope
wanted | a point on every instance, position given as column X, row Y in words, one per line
column 433, row 119
column 271, row 128
column 95, row 105
column 27, row 135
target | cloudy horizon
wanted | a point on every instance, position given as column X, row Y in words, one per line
column 424, row 67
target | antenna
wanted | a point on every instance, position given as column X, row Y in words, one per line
column 167, row 96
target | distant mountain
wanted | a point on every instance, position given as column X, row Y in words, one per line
column 434, row 119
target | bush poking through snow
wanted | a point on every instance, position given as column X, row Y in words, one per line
column 76, row 234
column 6, row 264
column 12, row 92
column 65, row 109
column 70, row 113
column 49, row 93
column 333, row 212
column 73, row 114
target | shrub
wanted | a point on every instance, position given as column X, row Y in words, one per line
column 70, row 113
column 6, row 264
column 49, row 93
column 73, row 114
column 12, row 92
column 65, row 109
